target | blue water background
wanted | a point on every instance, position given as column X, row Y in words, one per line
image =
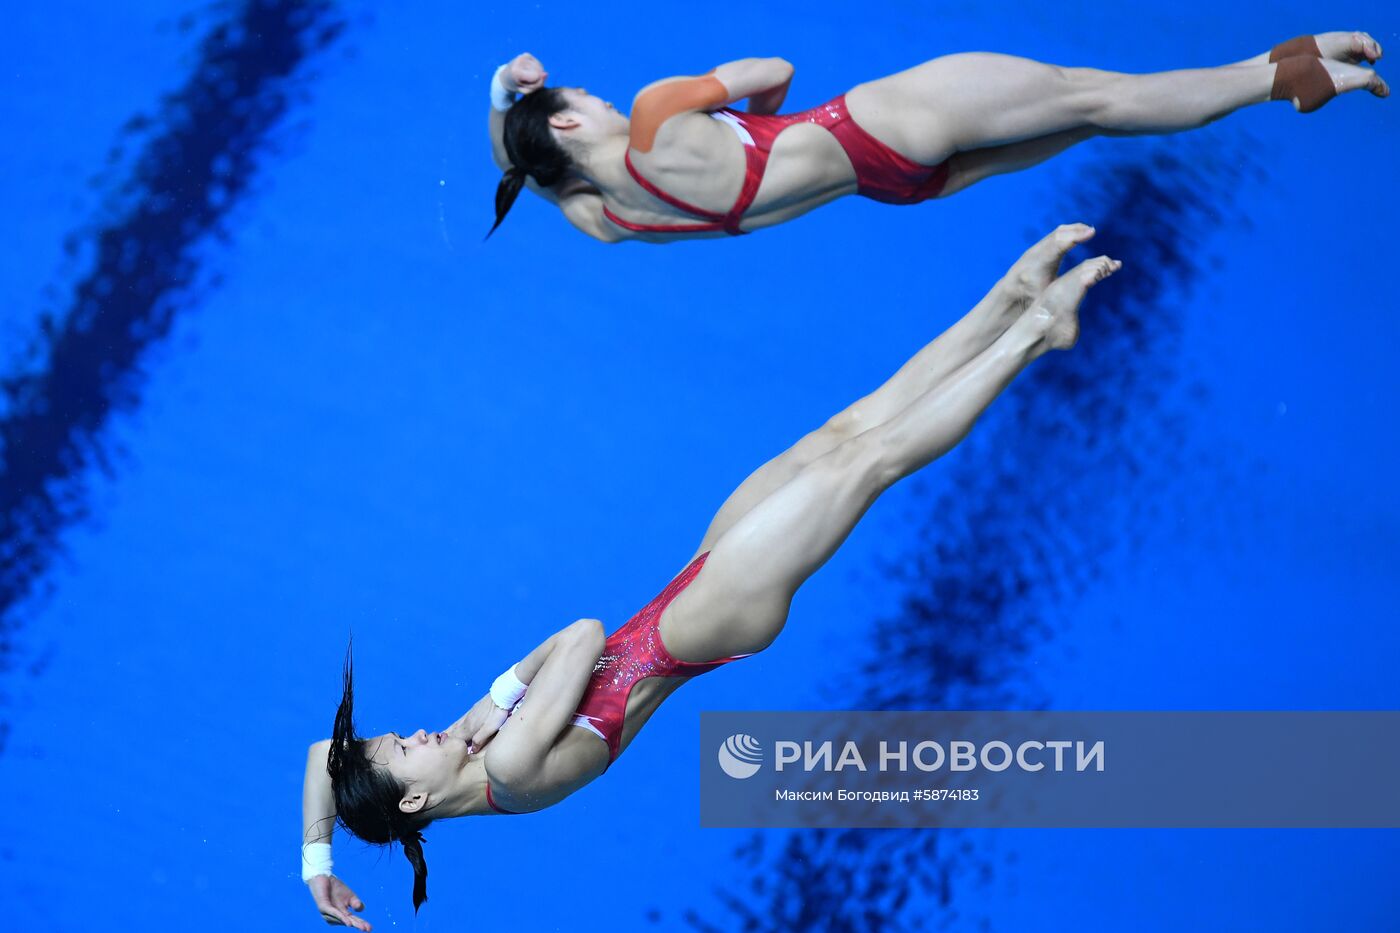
column 375, row 421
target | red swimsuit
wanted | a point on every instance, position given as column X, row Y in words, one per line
column 881, row 173
column 630, row 654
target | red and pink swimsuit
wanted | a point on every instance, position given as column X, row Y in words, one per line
column 881, row 173
column 630, row 654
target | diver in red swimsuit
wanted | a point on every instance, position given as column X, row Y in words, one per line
column 686, row 164
column 631, row 654
column 881, row 173
column 514, row 750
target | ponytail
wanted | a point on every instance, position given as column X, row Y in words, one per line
column 413, row 851
column 506, row 193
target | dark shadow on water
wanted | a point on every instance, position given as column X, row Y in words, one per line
column 193, row 164
column 1073, row 464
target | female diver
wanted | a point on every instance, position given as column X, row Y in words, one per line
column 688, row 165
column 513, row 751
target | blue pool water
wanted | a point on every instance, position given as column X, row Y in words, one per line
column 287, row 392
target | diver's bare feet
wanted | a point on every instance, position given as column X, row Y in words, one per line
column 1355, row 78
column 1308, row 82
column 1039, row 265
column 1057, row 308
column 1349, row 47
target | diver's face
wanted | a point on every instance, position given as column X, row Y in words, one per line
column 425, row 762
column 594, row 113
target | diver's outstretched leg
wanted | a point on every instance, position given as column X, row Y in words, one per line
column 739, row 601
column 972, row 100
column 970, row 166
column 972, row 334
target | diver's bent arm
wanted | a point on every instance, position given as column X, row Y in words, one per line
column 763, row 80
column 769, row 80
column 527, row 667
column 556, row 687
column 317, row 801
column 744, row 77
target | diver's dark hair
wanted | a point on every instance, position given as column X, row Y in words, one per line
column 531, row 147
column 367, row 796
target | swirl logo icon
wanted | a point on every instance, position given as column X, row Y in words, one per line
column 741, row 756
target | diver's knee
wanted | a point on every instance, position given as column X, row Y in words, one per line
column 844, row 425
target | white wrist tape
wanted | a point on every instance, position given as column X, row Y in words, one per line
column 315, row 860
column 507, row 690
column 501, row 97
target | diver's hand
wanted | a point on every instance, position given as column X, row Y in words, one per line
column 482, row 722
column 335, row 900
column 525, row 74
